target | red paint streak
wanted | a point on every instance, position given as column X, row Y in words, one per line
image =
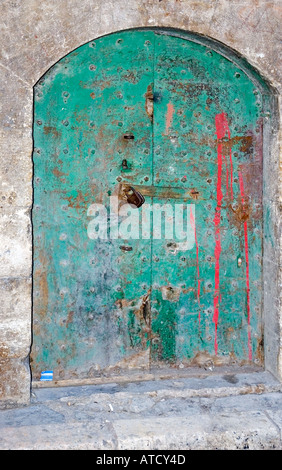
column 193, row 224
column 169, row 116
column 247, row 267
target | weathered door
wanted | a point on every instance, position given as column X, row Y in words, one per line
column 146, row 114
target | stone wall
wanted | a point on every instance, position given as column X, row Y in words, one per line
column 35, row 35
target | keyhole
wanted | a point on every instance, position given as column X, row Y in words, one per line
column 124, row 164
column 128, row 136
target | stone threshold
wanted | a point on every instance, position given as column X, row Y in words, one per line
column 221, row 382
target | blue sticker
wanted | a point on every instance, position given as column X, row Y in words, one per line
column 47, row 375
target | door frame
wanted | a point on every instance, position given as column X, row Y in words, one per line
column 271, row 252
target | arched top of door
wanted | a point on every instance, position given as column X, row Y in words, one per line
column 211, row 45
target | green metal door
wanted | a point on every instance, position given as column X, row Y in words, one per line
column 146, row 115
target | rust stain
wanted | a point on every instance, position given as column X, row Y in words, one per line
column 194, row 194
column 106, row 139
column 163, row 192
column 208, row 362
column 131, row 76
column 58, row 173
column 238, row 212
column 101, row 84
column 69, row 318
column 123, row 303
column 149, row 103
column 52, row 130
column 188, row 289
column 260, row 350
column 245, row 142
column 78, row 201
column 171, row 293
column 242, row 213
column 139, row 360
column 43, row 285
column 252, row 172
column 142, row 311
column 169, row 117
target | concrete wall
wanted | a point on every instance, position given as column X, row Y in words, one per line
column 34, row 35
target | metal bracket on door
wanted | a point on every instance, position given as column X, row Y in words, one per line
column 149, row 103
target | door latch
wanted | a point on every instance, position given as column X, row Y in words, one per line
column 128, row 136
column 131, row 195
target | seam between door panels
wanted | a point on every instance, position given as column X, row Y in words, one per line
column 151, row 199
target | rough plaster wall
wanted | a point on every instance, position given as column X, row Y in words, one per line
column 34, row 35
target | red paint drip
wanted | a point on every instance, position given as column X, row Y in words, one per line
column 169, row 116
column 193, row 224
column 241, row 183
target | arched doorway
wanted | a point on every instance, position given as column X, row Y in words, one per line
column 172, row 120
